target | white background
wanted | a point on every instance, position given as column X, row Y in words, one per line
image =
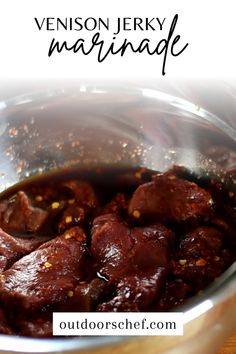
column 208, row 25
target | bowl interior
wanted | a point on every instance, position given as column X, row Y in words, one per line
column 91, row 126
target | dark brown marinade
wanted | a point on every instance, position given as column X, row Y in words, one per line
column 110, row 240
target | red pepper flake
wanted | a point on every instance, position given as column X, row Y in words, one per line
column 172, row 177
column 201, row 262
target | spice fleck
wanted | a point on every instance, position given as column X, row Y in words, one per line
column 38, row 198
column 55, row 205
column 182, row 262
column 138, row 175
column 70, row 293
column 71, row 201
column 201, row 262
column 172, row 177
column 47, row 265
column 136, row 214
column 68, row 219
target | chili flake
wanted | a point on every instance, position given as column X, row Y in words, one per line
column 47, row 265
column 138, row 175
column 172, row 177
column 201, row 262
column 68, row 219
column 80, row 238
column 55, row 205
column 71, row 201
column 38, row 198
column 70, row 293
column 136, row 214
column 182, row 262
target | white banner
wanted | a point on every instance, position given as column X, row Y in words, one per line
column 201, row 43
column 117, row 323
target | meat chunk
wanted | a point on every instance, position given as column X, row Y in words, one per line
column 199, row 272
column 200, row 257
column 135, row 261
column 72, row 216
column 170, row 199
column 116, row 250
column 80, row 208
column 18, row 215
column 135, row 292
column 151, row 246
column 13, row 248
column 202, row 242
column 120, row 250
column 173, row 295
column 118, row 204
column 45, row 276
column 111, row 245
column 5, row 328
column 39, row 326
column 134, row 178
column 104, row 219
column 230, row 238
column 85, row 296
column 83, row 193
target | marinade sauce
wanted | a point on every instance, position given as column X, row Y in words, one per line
column 109, row 239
